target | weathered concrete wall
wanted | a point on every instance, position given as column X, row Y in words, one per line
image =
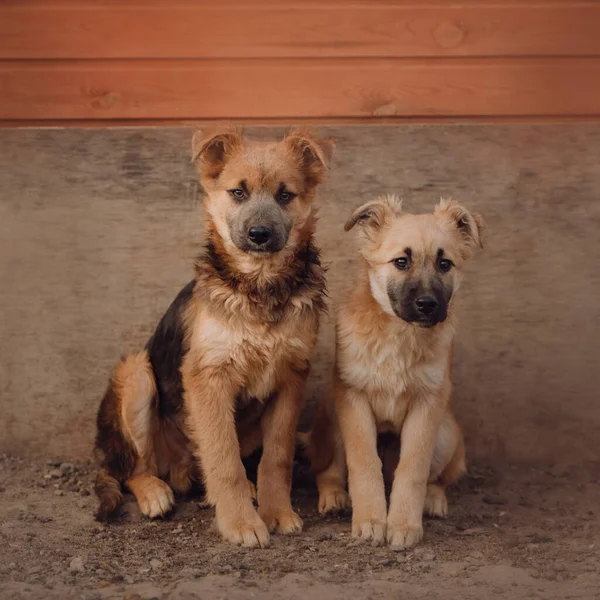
column 99, row 228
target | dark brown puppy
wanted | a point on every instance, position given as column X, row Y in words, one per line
column 224, row 372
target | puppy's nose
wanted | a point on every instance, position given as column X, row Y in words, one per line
column 259, row 235
column 426, row 304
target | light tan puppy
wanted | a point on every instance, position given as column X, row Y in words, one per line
column 394, row 341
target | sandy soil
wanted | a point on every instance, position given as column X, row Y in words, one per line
column 525, row 535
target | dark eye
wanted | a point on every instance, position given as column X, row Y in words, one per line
column 401, row 263
column 444, row 265
column 238, row 194
column 285, row 197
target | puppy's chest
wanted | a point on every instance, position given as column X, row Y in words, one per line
column 389, row 367
column 260, row 354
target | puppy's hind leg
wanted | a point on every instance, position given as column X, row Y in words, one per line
column 447, row 467
column 135, row 380
column 328, row 460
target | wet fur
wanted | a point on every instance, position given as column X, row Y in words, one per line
column 392, row 376
column 224, row 371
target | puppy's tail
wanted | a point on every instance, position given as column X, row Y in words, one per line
column 117, row 455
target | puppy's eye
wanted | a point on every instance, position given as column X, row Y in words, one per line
column 401, row 263
column 444, row 265
column 285, row 197
column 238, row 194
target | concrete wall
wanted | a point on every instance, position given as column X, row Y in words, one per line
column 99, row 228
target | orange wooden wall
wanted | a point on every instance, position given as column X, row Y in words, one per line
column 87, row 60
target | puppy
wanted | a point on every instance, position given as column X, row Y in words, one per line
column 394, row 338
column 225, row 370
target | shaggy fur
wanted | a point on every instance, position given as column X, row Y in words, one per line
column 224, row 372
column 394, row 337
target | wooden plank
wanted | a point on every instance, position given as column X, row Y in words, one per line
column 271, row 89
column 107, row 30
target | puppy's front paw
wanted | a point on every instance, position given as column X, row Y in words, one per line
column 436, row 504
column 333, row 501
column 155, row 498
column 370, row 530
column 401, row 536
column 281, row 521
column 244, row 530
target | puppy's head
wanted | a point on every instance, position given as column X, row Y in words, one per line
column 259, row 194
column 415, row 261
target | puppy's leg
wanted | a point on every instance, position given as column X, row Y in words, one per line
column 138, row 392
column 210, row 395
column 278, row 426
column 249, row 442
column 328, row 460
column 367, row 491
column 447, row 466
column 407, row 500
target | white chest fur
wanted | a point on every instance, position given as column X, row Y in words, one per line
column 257, row 352
column 392, row 366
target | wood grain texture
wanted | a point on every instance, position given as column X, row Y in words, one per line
column 98, row 230
column 302, row 88
column 295, row 29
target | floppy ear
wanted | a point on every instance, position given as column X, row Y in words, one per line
column 373, row 215
column 314, row 153
column 210, row 149
column 469, row 225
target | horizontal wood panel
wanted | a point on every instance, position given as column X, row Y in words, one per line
column 267, row 89
column 284, row 29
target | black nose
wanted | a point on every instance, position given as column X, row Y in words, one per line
column 426, row 304
column 259, row 235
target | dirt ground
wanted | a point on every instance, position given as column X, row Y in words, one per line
column 528, row 534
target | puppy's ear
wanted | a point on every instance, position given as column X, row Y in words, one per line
column 469, row 225
column 374, row 215
column 314, row 153
column 211, row 148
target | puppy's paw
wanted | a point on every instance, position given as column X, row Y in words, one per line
column 371, row 530
column 281, row 521
column 244, row 530
column 436, row 504
column 402, row 536
column 333, row 501
column 155, row 498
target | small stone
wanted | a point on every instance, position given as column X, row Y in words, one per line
column 76, row 565
column 65, row 467
column 12, row 565
column 45, row 519
column 495, row 500
column 471, row 531
column 155, row 564
column 34, row 570
column 58, row 493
